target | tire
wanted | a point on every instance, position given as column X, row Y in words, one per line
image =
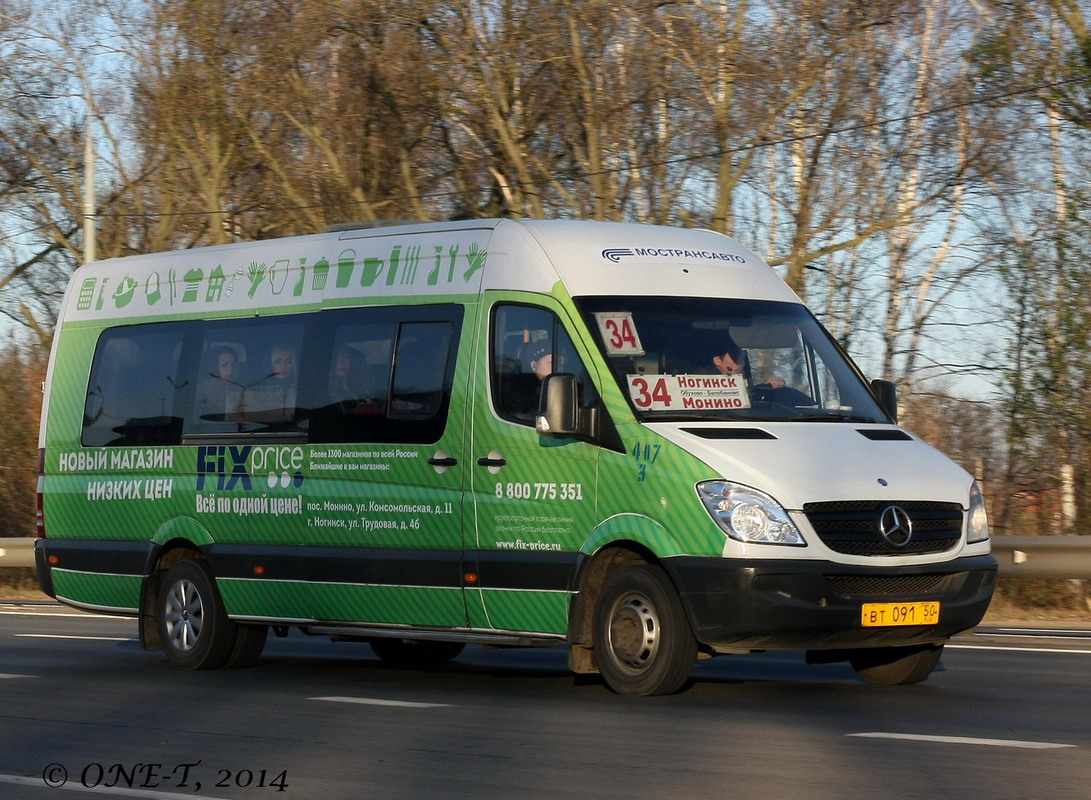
column 895, row 666
column 249, row 643
column 643, row 644
column 193, row 625
column 415, row 653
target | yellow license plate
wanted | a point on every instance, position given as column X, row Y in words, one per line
column 879, row 615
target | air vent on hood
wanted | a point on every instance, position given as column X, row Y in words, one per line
column 730, row 433
column 885, row 434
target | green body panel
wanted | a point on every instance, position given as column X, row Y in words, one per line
column 186, row 528
column 527, row 611
column 393, row 605
column 632, row 528
column 650, row 498
column 117, row 592
column 333, row 602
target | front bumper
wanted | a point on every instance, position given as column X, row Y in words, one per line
column 737, row 605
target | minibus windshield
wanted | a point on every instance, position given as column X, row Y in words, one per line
column 693, row 359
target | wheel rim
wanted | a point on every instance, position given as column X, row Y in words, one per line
column 634, row 633
column 184, row 615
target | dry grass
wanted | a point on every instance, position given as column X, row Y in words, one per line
column 20, row 583
column 1059, row 599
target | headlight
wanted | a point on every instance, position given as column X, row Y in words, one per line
column 747, row 514
column 977, row 528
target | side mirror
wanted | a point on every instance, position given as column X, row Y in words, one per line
column 887, row 395
column 559, row 412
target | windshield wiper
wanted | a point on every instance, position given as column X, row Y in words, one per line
column 734, row 417
column 833, row 416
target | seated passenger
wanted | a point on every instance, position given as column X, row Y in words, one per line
column 273, row 398
column 352, row 388
column 218, row 393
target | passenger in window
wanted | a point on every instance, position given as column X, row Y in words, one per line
column 352, row 389
column 218, row 393
column 273, row 399
column 283, row 362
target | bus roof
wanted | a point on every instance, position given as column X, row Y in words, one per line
column 371, row 264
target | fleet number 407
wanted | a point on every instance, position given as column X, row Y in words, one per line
column 540, row 491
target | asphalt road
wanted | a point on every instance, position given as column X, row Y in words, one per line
column 1008, row 716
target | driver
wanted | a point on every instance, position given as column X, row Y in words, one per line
column 732, row 361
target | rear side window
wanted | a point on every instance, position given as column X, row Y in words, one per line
column 136, row 393
column 363, row 375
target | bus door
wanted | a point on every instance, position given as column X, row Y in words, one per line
column 534, row 497
column 355, row 499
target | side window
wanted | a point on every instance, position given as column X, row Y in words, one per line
column 389, row 377
column 529, row 343
column 361, row 375
column 358, row 380
column 135, row 394
column 248, row 378
column 419, row 368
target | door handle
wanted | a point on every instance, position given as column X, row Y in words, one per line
column 441, row 461
column 494, row 461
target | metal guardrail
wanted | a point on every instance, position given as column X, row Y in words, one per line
column 1019, row 556
column 17, row 552
column 1043, row 556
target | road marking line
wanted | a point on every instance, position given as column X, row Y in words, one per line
column 373, row 701
column 963, row 740
column 48, row 613
column 1034, row 631
column 950, row 646
column 83, row 638
column 1031, row 636
column 75, row 785
column 4, row 676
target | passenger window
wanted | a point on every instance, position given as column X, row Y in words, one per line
column 358, row 383
column 135, row 394
column 249, row 378
column 528, row 344
column 362, row 375
column 390, row 375
column 419, row 369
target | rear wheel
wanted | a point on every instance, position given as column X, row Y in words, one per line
column 249, row 642
column 193, row 625
column 415, row 653
column 893, row 666
column 643, row 644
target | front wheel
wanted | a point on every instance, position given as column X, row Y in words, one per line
column 642, row 640
column 894, row 666
column 193, row 625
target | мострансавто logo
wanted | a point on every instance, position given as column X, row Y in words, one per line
column 616, row 254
